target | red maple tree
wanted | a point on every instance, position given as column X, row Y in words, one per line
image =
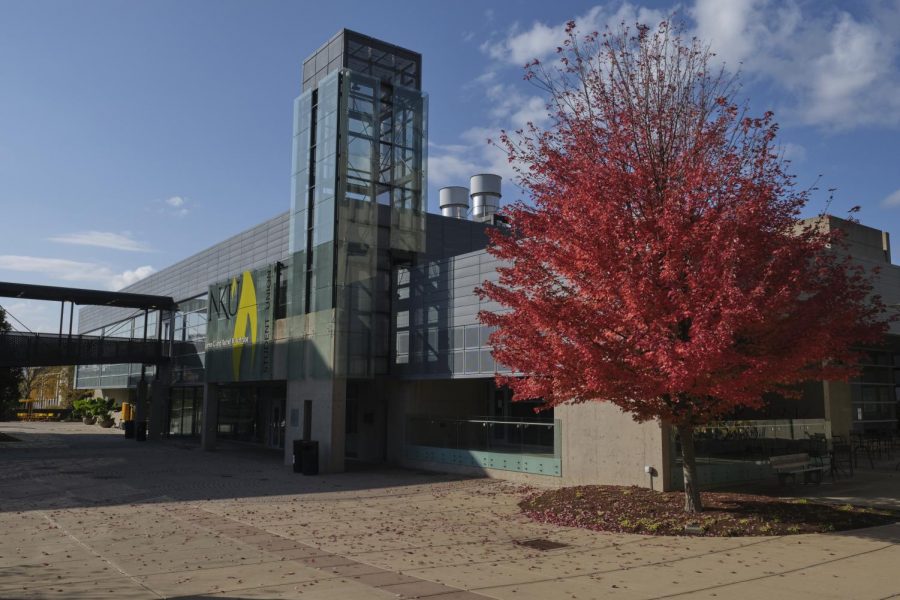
column 660, row 264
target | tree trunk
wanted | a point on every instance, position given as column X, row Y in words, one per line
column 692, row 503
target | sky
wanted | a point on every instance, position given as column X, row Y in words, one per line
column 134, row 134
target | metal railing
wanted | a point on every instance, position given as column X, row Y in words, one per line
column 759, row 439
column 485, row 434
column 21, row 349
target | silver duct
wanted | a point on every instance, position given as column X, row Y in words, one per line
column 454, row 202
column 485, row 193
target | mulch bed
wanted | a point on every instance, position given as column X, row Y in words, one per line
column 7, row 438
column 639, row 510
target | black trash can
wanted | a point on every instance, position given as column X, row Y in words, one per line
column 306, row 457
column 140, row 431
column 129, row 429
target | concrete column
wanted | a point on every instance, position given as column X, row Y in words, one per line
column 601, row 444
column 140, row 405
column 293, row 408
column 210, row 425
column 327, row 402
column 838, row 407
column 159, row 399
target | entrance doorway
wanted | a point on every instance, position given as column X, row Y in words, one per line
column 185, row 408
column 275, row 423
column 366, row 422
column 253, row 413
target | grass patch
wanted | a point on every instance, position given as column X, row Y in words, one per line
column 639, row 510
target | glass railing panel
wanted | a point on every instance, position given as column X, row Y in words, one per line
column 489, row 434
column 734, row 451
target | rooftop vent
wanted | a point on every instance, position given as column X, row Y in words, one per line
column 454, row 201
column 485, row 193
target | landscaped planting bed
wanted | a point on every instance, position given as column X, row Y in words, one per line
column 639, row 510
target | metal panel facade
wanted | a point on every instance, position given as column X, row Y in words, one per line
column 256, row 247
column 437, row 333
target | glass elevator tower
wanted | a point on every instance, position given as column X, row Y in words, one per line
column 358, row 203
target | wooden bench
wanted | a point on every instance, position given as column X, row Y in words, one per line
column 788, row 465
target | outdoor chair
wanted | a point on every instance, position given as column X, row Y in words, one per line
column 864, row 445
column 841, row 459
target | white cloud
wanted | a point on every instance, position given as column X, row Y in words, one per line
column 513, row 106
column 127, row 277
column 175, row 205
column 793, row 152
column 510, row 109
column 739, row 30
column 839, row 70
column 519, row 48
column 456, row 163
column 66, row 270
column 102, row 239
column 855, row 76
column 892, row 200
column 540, row 40
column 452, row 167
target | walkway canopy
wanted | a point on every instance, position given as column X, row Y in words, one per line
column 82, row 296
column 24, row 349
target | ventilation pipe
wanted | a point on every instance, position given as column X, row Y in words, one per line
column 485, row 196
column 454, row 202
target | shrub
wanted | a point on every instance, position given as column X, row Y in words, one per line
column 93, row 407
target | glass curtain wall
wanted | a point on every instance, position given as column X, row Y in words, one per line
column 237, row 414
column 359, row 143
column 357, row 225
column 185, row 411
column 121, row 375
column 874, row 393
column 189, row 348
column 358, row 202
column 310, row 290
column 384, row 146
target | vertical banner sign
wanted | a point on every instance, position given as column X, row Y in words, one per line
column 241, row 327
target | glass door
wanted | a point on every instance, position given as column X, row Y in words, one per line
column 275, row 438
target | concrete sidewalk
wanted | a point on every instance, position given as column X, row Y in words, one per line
column 86, row 514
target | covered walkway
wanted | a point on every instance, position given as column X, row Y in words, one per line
column 30, row 349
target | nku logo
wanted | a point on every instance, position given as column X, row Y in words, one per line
column 236, row 302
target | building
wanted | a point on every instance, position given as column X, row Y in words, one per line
column 351, row 319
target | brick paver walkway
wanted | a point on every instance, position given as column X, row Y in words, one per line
column 86, row 514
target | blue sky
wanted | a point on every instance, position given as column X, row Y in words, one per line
column 133, row 134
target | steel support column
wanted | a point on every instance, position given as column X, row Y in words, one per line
column 140, row 407
column 210, row 426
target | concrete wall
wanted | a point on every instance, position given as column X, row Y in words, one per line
column 328, row 420
column 871, row 248
column 838, row 407
column 603, row 445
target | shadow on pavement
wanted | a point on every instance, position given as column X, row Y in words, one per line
column 73, row 468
